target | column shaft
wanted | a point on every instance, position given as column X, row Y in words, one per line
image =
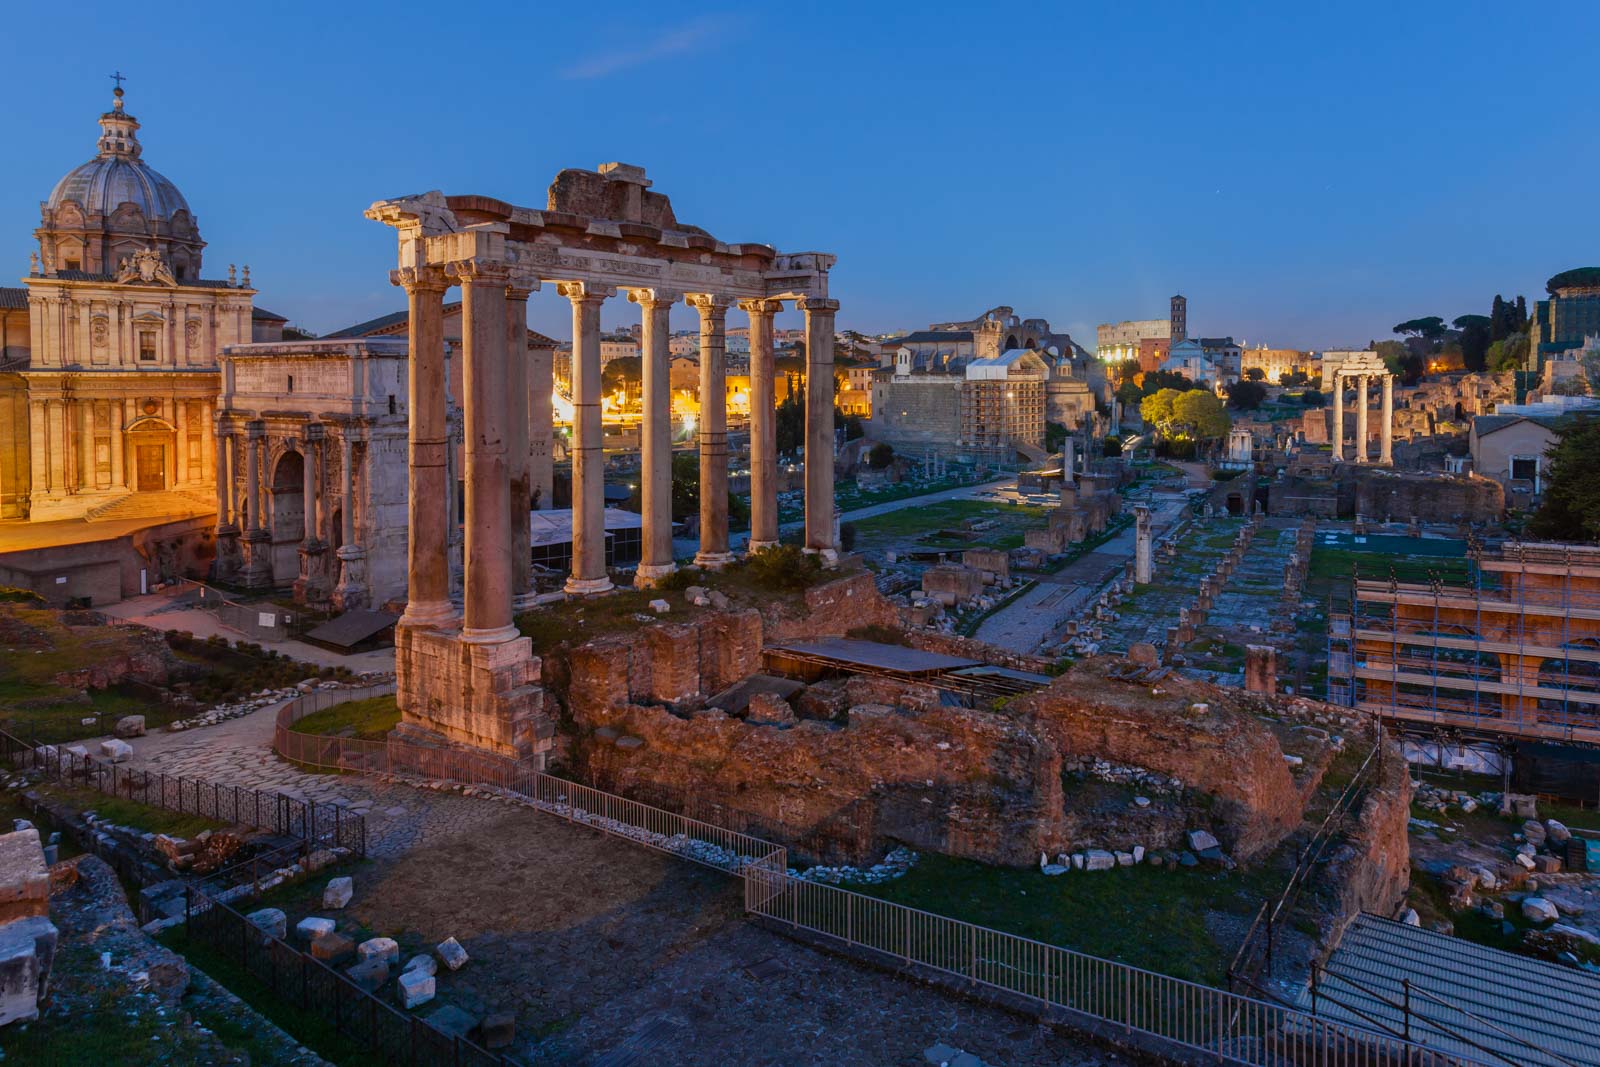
column 1338, row 417
column 308, row 493
column 588, row 452
column 119, row 473
column 713, row 431
column 1362, row 383
column 347, row 505
column 181, row 441
column 428, row 490
column 252, row 483
column 487, row 616
column 655, row 475
column 763, row 426
column 1386, row 428
column 224, row 504
column 518, row 460
column 819, row 425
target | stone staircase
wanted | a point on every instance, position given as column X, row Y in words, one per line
column 170, row 504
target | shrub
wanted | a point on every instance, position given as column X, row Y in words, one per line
column 12, row 595
column 785, row 568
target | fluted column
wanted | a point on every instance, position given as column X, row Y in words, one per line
column 519, row 465
column 429, row 491
column 588, row 447
column 181, row 443
column 1338, row 417
column 487, row 617
column 655, row 477
column 819, row 426
column 763, row 426
column 224, row 483
column 347, row 504
column 254, row 442
column 308, row 491
column 1386, row 428
column 713, row 430
column 119, row 470
column 1362, row 383
column 351, row 592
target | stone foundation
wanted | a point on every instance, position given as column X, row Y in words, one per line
column 484, row 696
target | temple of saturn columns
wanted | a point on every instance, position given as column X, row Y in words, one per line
column 1361, row 369
column 470, row 677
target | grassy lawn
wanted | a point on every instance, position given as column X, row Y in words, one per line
column 370, row 719
column 125, row 812
column 905, row 523
column 1145, row 916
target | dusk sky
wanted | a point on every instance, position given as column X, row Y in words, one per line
column 1306, row 178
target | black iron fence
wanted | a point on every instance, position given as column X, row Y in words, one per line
column 378, row 1028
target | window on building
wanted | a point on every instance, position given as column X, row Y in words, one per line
column 147, row 346
column 291, row 384
column 391, row 405
column 1524, row 468
column 73, row 264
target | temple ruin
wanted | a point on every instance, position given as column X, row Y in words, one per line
column 469, row 676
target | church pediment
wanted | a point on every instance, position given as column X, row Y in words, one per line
column 145, row 267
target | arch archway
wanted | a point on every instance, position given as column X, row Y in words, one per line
column 286, row 515
column 150, row 454
column 1011, row 341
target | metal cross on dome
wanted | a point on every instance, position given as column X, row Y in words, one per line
column 118, row 77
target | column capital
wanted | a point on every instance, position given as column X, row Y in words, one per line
column 420, row 279
column 761, row 307
column 582, row 292
column 817, row 303
column 479, row 271
column 651, row 299
column 709, row 303
column 314, row 431
column 255, row 429
column 520, row 284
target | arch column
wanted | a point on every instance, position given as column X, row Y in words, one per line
column 1338, row 417
column 713, row 430
column 119, row 473
column 486, row 618
column 226, row 564
column 1386, row 427
column 588, row 451
column 520, row 464
column 257, row 541
column 763, row 426
column 312, row 586
column 655, row 477
column 1362, row 387
column 352, row 589
column 819, row 312
column 429, row 491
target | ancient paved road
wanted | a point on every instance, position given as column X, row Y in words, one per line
column 1035, row 617
column 687, row 546
column 239, row 752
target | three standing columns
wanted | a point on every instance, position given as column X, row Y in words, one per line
column 819, row 426
column 588, row 452
column 655, row 562
column 428, row 541
column 713, row 431
column 487, row 615
column 763, row 426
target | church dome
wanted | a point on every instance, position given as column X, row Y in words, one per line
column 117, row 175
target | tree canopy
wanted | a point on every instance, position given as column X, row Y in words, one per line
column 1246, row 394
column 1431, row 327
column 1571, row 507
column 1194, row 415
column 624, row 372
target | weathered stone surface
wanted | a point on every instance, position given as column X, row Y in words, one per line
column 379, row 948
column 332, row 948
column 1098, row 860
column 338, row 891
column 424, row 962
column 24, row 877
column 116, row 751
column 415, row 988
column 1557, row 832
column 130, row 726
column 369, row 974
column 270, row 921
column 451, row 954
column 317, row 859
column 1539, row 910
column 769, row 708
column 1200, row 840
column 27, row 947
column 498, row 1030
column 312, row 928
column 451, row 1021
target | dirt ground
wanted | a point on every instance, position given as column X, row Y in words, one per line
column 606, row 952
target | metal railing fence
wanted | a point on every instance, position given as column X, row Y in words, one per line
column 367, row 1022
column 277, row 813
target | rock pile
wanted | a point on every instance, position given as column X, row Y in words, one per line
column 894, row 865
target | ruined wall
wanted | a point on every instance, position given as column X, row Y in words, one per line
column 1371, row 869
column 1423, row 498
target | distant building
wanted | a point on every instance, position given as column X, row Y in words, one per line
column 993, row 409
column 1274, row 363
column 1117, row 342
column 1572, row 313
column 617, row 346
column 1226, row 355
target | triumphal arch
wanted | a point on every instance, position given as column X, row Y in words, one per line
column 471, row 677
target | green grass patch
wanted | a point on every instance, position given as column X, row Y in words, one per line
column 125, row 812
column 1144, row 916
column 369, row 720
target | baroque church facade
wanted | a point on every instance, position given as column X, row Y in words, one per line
column 109, row 368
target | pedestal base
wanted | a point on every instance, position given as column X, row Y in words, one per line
column 483, row 695
column 759, row 546
column 587, row 586
column 257, row 570
column 649, row 575
column 439, row 615
column 713, row 561
column 830, row 556
column 226, row 566
column 352, row 589
column 313, row 586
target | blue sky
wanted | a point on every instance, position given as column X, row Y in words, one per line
column 1306, row 177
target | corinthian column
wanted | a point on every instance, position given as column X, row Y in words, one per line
column 1386, row 427
column 588, row 449
column 1338, row 417
column 1362, row 383
column 252, row 484
column 713, row 430
column 763, row 426
column 517, row 439
column 429, row 491
column 819, row 426
column 487, row 617
column 655, row 479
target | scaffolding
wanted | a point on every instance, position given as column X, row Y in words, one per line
column 1513, row 654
